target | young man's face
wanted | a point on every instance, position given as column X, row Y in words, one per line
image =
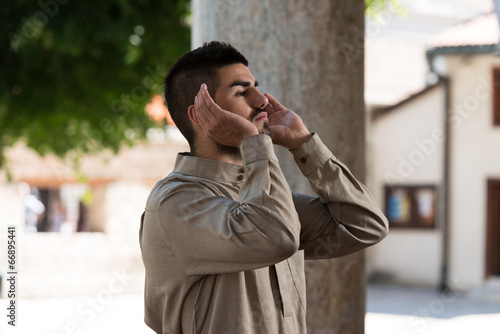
column 238, row 93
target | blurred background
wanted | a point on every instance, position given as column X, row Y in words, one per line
column 85, row 134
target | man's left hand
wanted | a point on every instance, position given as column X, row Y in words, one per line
column 287, row 128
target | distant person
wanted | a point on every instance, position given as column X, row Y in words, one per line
column 223, row 237
column 33, row 208
column 57, row 217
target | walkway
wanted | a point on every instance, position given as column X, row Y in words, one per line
column 391, row 310
column 412, row 310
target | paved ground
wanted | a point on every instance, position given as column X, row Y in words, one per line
column 409, row 310
column 99, row 314
column 391, row 310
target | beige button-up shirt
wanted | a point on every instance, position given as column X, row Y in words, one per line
column 224, row 245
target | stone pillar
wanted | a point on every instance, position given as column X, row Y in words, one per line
column 309, row 55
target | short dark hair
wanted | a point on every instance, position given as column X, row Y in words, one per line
column 186, row 75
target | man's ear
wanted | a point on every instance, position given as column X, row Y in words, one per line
column 192, row 115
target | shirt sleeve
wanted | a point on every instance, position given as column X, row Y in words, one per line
column 343, row 218
column 209, row 233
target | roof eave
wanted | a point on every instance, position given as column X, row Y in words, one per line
column 380, row 112
column 463, row 49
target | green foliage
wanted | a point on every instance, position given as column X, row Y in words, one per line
column 76, row 75
column 374, row 7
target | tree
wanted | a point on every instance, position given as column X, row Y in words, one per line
column 374, row 7
column 77, row 75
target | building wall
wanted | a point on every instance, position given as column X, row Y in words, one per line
column 413, row 256
column 395, row 45
column 405, row 148
column 98, row 264
column 475, row 157
column 388, row 77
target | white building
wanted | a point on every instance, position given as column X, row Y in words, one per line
column 435, row 166
column 395, row 45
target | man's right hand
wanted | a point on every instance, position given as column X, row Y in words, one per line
column 221, row 125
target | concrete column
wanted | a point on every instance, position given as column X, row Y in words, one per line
column 309, row 55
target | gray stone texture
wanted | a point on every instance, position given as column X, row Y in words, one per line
column 309, row 56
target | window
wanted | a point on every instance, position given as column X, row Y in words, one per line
column 411, row 206
column 496, row 96
column 54, row 209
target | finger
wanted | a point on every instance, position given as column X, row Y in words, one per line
column 200, row 114
column 275, row 104
column 211, row 108
column 198, row 98
column 203, row 107
column 203, row 115
column 270, row 109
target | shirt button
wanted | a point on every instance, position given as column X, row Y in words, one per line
column 240, row 177
column 303, row 160
column 242, row 170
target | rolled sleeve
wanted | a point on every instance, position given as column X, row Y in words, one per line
column 257, row 147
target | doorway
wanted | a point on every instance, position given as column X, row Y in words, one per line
column 493, row 229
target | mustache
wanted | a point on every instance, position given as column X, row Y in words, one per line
column 256, row 112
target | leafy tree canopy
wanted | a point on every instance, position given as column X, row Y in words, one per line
column 76, row 75
column 374, row 7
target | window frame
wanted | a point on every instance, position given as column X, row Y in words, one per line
column 414, row 222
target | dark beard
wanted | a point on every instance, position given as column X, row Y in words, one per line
column 234, row 152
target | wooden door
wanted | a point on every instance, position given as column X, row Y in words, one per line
column 493, row 229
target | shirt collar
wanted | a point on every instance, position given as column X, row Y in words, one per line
column 207, row 168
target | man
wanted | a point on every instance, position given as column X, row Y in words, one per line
column 223, row 238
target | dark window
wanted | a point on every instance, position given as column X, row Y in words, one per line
column 496, row 96
column 493, row 229
column 411, row 206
